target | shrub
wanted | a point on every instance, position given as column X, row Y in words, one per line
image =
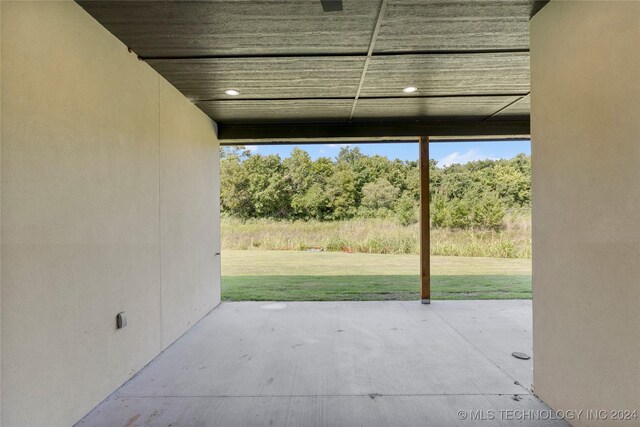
column 406, row 210
column 489, row 213
column 439, row 212
column 459, row 214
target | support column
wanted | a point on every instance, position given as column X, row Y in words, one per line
column 425, row 223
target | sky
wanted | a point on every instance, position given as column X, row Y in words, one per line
column 445, row 153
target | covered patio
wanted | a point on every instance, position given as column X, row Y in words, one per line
column 112, row 118
column 341, row 364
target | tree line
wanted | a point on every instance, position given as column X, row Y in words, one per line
column 473, row 195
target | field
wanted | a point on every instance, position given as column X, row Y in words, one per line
column 267, row 275
column 378, row 236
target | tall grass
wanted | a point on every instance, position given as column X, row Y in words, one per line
column 381, row 236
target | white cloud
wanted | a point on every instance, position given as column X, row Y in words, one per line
column 337, row 145
column 252, row 148
column 462, row 158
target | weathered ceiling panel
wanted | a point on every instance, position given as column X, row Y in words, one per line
column 281, row 111
column 239, row 27
column 460, row 25
column 294, row 62
column 459, row 74
column 300, row 77
column 466, row 108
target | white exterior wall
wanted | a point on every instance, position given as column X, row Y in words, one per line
column 585, row 88
column 109, row 203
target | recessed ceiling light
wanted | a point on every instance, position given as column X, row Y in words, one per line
column 410, row 89
column 232, row 92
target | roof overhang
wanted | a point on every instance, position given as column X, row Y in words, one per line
column 373, row 132
column 311, row 70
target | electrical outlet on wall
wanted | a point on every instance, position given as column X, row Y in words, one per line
column 121, row 320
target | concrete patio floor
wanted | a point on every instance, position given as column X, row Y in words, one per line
column 339, row 364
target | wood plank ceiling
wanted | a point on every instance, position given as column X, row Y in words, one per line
column 296, row 65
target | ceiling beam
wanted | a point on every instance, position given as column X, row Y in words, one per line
column 372, row 43
column 517, row 95
column 336, row 54
column 509, row 104
column 320, row 133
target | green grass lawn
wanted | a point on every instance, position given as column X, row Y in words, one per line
column 260, row 275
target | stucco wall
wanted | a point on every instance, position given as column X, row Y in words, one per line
column 109, row 204
column 189, row 209
column 0, row 218
column 585, row 79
